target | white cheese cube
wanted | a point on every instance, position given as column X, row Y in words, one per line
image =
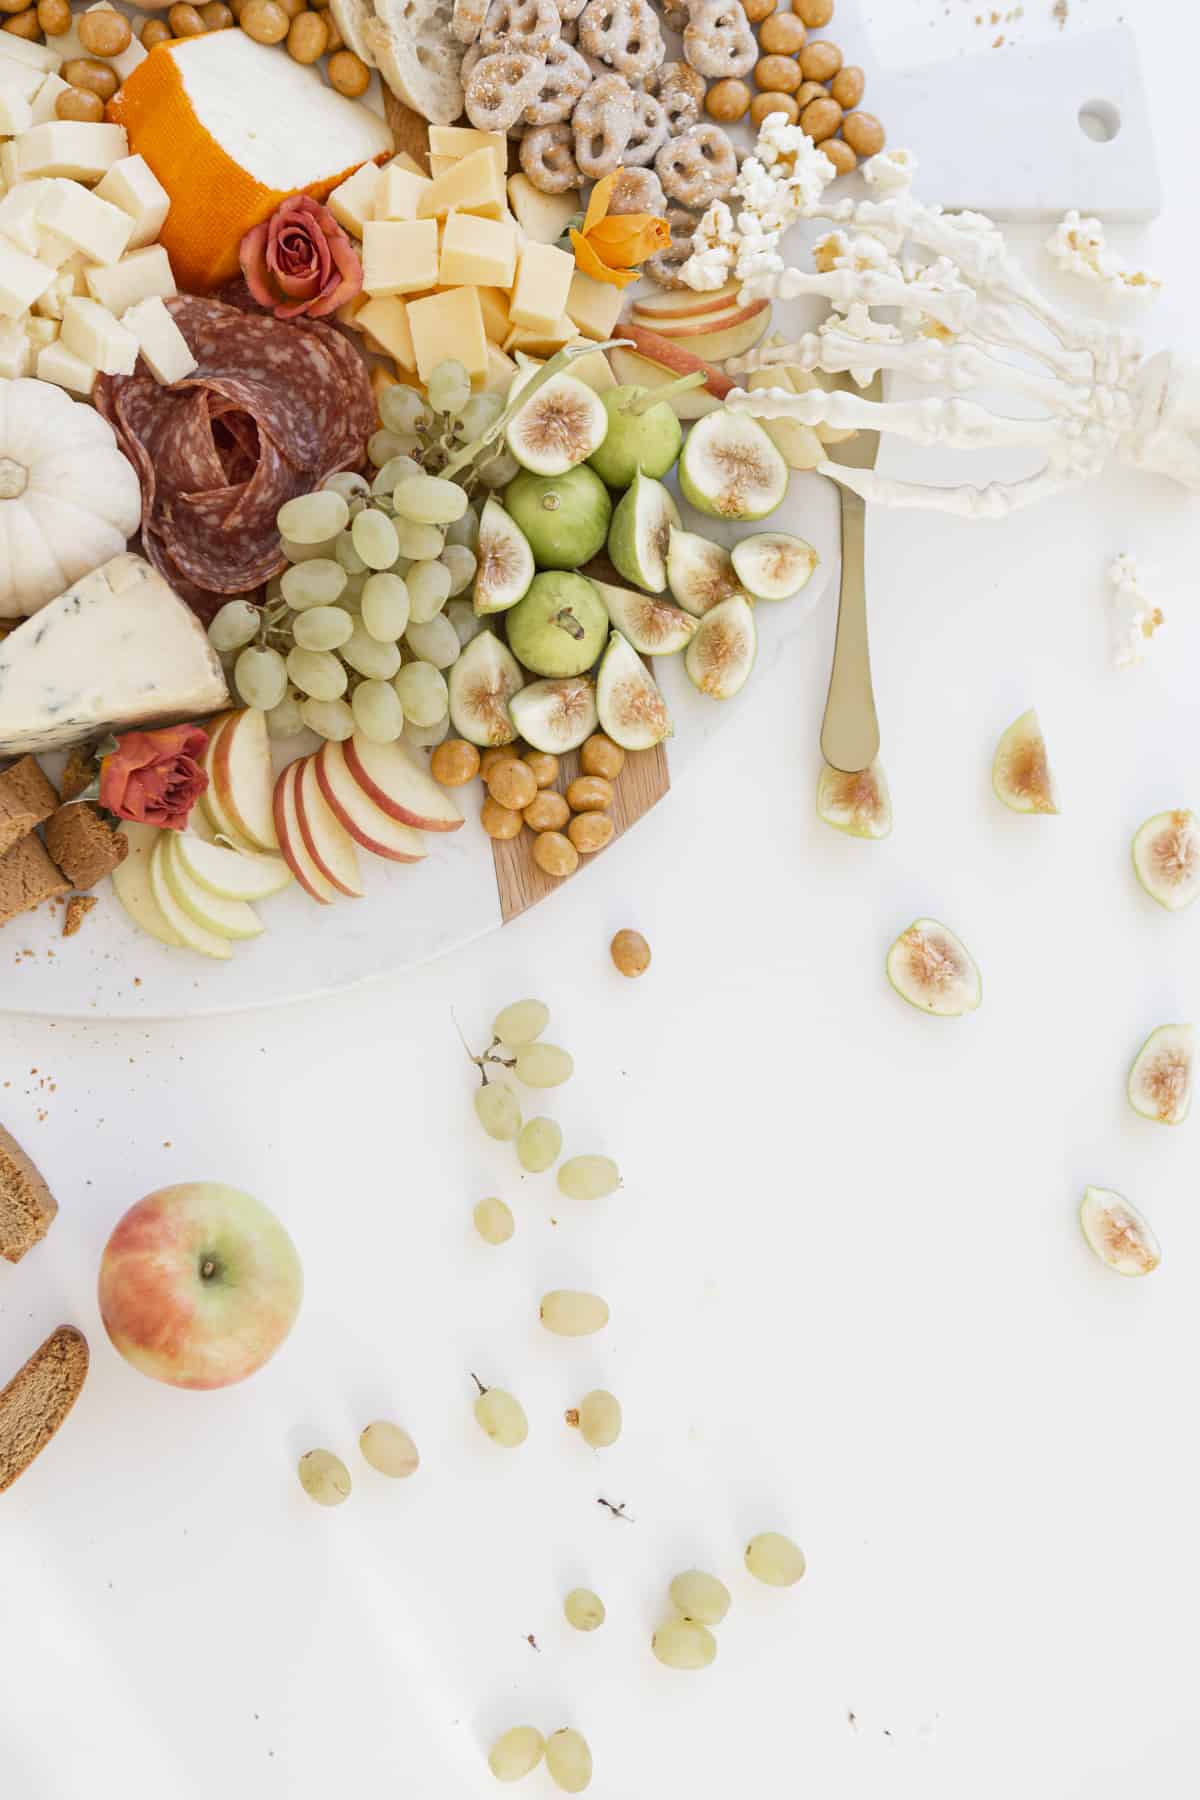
column 15, row 78
column 90, row 330
column 353, row 203
column 131, row 185
column 22, row 280
column 160, row 340
column 34, row 56
column 94, row 226
column 9, row 172
column 70, row 148
column 19, row 225
column 51, row 304
column 15, row 113
column 16, row 351
column 41, row 331
column 121, row 285
column 47, row 99
column 66, row 370
column 53, row 249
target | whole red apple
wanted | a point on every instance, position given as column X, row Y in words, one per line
column 199, row 1285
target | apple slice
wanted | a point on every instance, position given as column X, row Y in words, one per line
column 330, row 847
column 230, row 874
column 189, row 931
column 291, row 839
column 675, row 358
column 241, row 773
column 638, row 371
column 679, row 324
column 679, row 303
column 396, row 785
column 370, row 827
column 726, row 334
column 226, row 918
column 212, row 807
column 131, row 884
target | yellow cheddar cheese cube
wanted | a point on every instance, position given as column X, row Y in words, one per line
column 438, row 165
column 451, row 143
column 493, row 303
column 539, row 296
column 400, row 256
column 593, row 371
column 402, row 160
column 385, row 322
column 500, row 371
column 399, row 193
column 542, row 343
column 594, row 305
column 473, row 185
column 476, row 251
column 449, row 325
column 353, row 203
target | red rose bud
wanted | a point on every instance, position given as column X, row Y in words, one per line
column 154, row 777
column 300, row 261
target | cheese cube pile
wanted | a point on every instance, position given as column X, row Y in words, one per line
column 79, row 223
column 463, row 263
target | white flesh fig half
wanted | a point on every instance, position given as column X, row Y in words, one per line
column 481, row 684
column 700, row 574
column 1166, row 858
column 773, row 565
column 654, row 627
column 1118, row 1233
column 1021, row 774
column 556, row 716
column 632, row 710
column 504, row 561
column 859, row 804
column 730, row 469
column 1160, row 1081
column 721, row 655
column 934, row 971
column 558, row 428
column 640, row 533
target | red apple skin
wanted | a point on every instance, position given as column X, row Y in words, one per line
column 199, row 1285
column 669, row 354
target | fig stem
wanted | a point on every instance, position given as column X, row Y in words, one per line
column 654, row 396
column 565, row 618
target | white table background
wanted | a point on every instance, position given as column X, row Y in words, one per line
column 849, row 1296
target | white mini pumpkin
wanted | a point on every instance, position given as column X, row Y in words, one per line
column 69, row 499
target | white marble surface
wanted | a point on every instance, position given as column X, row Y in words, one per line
column 849, row 1296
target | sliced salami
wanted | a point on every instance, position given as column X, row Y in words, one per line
column 273, row 407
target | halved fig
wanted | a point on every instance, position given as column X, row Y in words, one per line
column 1166, row 858
column 857, row 804
column 1118, row 1233
column 654, row 627
column 632, row 711
column 640, row 533
column 934, row 971
column 1160, row 1081
column 504, row 561
column 773, row 565
column 558, row 428
column 730, row 469
column 700, row 574
column 1021, row 774
column 481, row 684
column 556, row 715
column 721, row 655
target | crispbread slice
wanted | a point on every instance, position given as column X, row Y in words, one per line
column 352, row 18
column 418, row 56
column 38, row 1399
column 27, row 1207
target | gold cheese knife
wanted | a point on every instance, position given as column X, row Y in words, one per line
column 850, row 728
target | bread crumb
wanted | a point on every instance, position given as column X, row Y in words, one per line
column 78, row 908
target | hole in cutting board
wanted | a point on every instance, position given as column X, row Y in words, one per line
column 1099, row 120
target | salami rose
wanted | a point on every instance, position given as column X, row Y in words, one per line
column 154, row 777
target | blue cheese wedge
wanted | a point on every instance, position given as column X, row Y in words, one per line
column 118, row 650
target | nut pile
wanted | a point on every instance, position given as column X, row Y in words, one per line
column 91, row 79
column 520, row 791
column 307, row 33
column 804, row 78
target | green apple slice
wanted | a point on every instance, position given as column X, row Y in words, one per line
column 640, row 533
column 934, row 971
column 131, row 884
column 632, row 710
column 1118, row 1233
column 189, row 931
column 229, row 874
column 224, row 918
column 1160, row 1081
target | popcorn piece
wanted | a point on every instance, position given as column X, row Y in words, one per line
column 1078, row 247
column 1133, row 617
column 891, row 172
column 714, row 250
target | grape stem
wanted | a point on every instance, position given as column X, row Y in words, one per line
column 617, row 1511
column 476, row 1380
column 483, row 1062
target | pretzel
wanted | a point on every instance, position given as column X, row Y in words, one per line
column 528, row 25
column 624, row 34
column 637, row 190
column 665, row 266
column 603, row 123
column 548, row 160
column 499, row 88
column 681, row 91
column 718, row 41
column 650, row 131
column 466, row 21
column 564, row 79
column 698, row 167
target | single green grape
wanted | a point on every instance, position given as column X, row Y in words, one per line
column 389, row 1449
column 261, row 677
column 367, row 656
column 319, row 582
column 543, row 1065
column 385, row 607
column 347, row 483
column 428, row 590
column 324, row 1477
column 521, row 1022
column 402, row 410
column 422, row 691
column 460, row 564
column 286, row 719
column 502, row 1417
column 517, row 1751
column 493, row 1221
column 317, row 673
column 448, row 387
column 331, row 719
column 539, row 1144
column 568, row 1761
column 377, row 711
column 235, row 624
column 588, row 1177
column 599, row 1418
column 498, row 1112
column 430, row 500
column 322, row 628
column 700, row 1597
column 313, row 518
column 383, row 445
column 773, row 1558
column 683, row 1644
column 375, row 538
column 436, row 643
column 568, row 1313
column 583, row 1609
